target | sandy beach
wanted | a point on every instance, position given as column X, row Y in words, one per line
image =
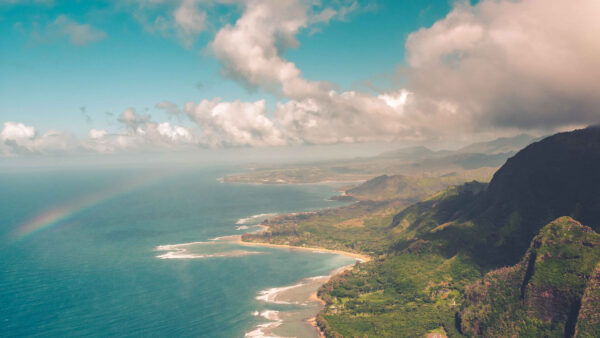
column 358, row 257
column 313, row 296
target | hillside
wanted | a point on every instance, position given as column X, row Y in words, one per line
column 552, row 291
column 500, row 145
column 407, row 188
column 438, row 264
column 557, row 176
column 476, row 161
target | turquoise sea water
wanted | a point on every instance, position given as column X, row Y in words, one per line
column 91, row 267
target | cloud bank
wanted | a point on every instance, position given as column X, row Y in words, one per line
column 521, row 64
column 78, row 34
column 497, row 65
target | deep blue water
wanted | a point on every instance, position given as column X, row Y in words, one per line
column 95, row 272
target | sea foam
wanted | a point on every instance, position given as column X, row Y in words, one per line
column 263, row 330
column 270, row 295
column 254, row 218
column 180, row 251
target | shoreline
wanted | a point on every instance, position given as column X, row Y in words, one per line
column 223, row 180
column 359, row 258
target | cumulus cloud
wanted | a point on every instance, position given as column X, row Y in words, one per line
column 131, row 119
column 183, row 19
column 141, row 133
column 250, row 50
column 497, row 64
column 190, row 20
column 79, row 34
column 18, row 139
column 97, row 133
column 234, row 123
column 169, row 107
column 15, row 131
column 520, row 64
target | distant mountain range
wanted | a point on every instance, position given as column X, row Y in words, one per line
column 554, row 288
column 476, row 161
column 518, row 256
column 497, row 146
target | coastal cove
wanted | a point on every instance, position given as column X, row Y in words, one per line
column 145, row 260
column 317, row 281
column 290, row 310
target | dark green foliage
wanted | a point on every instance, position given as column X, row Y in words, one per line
column 401, row 295
column 543, row 294
column 557, row 176
column 428, row 258
column 588, row 321
column 360, row 227
column 407, row 188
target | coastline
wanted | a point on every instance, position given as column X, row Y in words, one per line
column 359, row 258
column 351, row 181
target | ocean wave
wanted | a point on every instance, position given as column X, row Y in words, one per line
column 168, row 247
column 184, row 255
column 255, row 218
column 180, row 251
column 270, row 295
column 227, row 238
column 242, row 227
column 263, row 330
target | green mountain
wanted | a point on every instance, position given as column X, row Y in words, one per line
column 557, row 176
column 500, row 145
column 476, row 161
column 440, row 265
column 408, row 188
column 552, row 292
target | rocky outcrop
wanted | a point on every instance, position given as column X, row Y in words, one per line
column 588, row 320
column 553, row 291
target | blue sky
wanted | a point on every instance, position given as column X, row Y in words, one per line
column 107, row 76
column 45, row 80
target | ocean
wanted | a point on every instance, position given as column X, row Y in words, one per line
column 107, row 253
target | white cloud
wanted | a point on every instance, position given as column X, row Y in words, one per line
column 190, row 21
column 169, row 107
column 250, row 51
column 496, row 65
column 234, row 123
column 17, row 138
column 16, row 131
column 97, row 133
column 79, row 34
column 131, row 119
column 182, row 19
column 175, row 133
column 503, row 64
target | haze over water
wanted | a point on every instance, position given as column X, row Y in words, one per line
column 78, row 253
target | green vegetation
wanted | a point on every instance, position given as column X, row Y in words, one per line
column 474, row 162
column 478, row 260
column 361, row 227
column 542, row 295
column 407, row 188
column 410, row 294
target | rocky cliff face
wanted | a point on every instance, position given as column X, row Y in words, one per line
column 588, row 321
column 553, row 291
column 557, row 176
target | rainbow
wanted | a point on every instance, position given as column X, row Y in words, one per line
column 55, row 215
